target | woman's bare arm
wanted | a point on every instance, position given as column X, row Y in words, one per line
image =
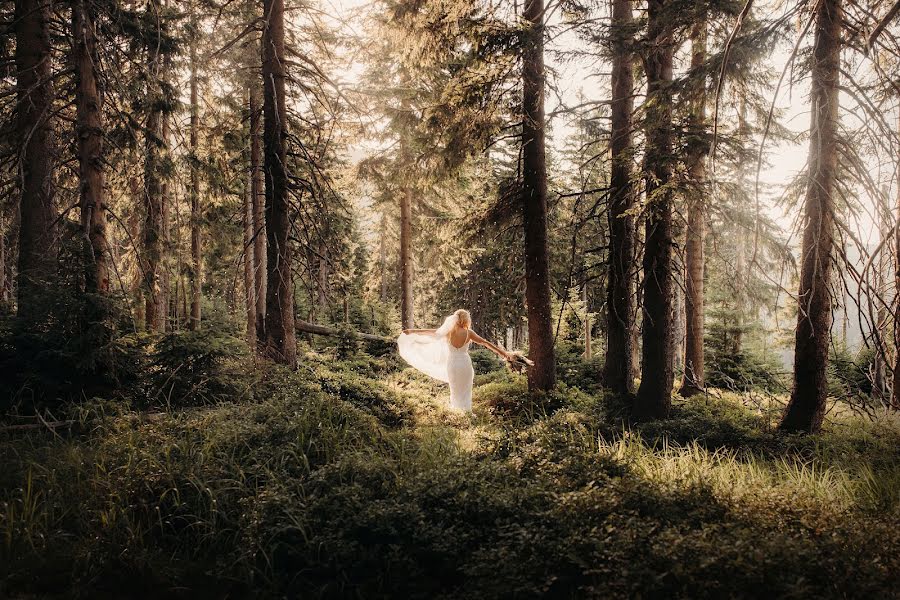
column 408, row 331
column 492, row 347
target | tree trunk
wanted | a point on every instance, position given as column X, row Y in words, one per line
column 542, row 376
column 258, row 195
column 196, row 264
column 620, row 368
column 806, row 408
column 880, row 389
column 4, row 297
column 89, row 134
column 323, row 281
column 34, row 87
column 249, row 263
column 281, row 340
column 154, row 200
column 696, row 229
column 383, row 259
column 654, row 397
column 740, row 240
column 406, row 278
column 740, row 293
column 136, row 287
column 587, row 324
column 895, row 386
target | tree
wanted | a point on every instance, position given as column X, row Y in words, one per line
column 258, row 195
column 619, row 369
column 89, row 133
column 281, row 342
column 406, row 279
column 34, row 89
column 895, row 396
column 156, row 151
column 4, row 298
column 542, row 376
column 654, row 396
column 249, row 259
column 696, row 225
column 806, row 408
column 196, row 256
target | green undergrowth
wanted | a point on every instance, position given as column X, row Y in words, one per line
column 348, row 478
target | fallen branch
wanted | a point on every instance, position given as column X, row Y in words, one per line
column 51, row 425
column 314, row 329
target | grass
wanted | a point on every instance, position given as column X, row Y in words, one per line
column 349, row 479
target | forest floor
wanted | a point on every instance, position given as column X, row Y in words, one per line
column 348, row 478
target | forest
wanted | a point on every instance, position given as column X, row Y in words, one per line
column 677, row 221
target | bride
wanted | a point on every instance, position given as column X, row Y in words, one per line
column 443, row 353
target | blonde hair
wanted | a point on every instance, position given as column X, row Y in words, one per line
column 460, row 318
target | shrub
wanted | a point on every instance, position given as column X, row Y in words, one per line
column 74, row 351
column 509, row 397
column 741, row 371
column 574, row 371
column 484, row 361
column 368, row 396
column 192, row 368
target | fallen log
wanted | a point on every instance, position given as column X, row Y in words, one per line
column 314, row 329
column 52, row 425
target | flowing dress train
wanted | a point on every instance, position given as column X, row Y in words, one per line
column 436, row 356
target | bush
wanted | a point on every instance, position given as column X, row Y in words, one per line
column 368, row 396
column 509, row 397
column 75, row 350
column 741, row 372
column 849, row 375
column 574, row 371
column 484, row 361
column 193, row 368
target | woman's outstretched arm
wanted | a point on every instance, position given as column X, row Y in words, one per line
column 493, row 348
column 408, row 331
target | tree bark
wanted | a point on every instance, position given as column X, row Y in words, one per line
column 880, row 389
column 196, row 258
column 37, row 239
column 315, row 329
column 895, row 385
column 154, row 199
column 281, row 340
column 323, row 280
column 806, row 408
column 693, row 382
column 406, row 277
column 654, row 397
column 382, row 259
column 249, row 263
column 542, row 376
column 4, row 297
column 89, row 135
column 620, row 368
column 258, row 196
column 587, row 324
column 740, row 240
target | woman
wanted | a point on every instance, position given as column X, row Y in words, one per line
column 443, row 353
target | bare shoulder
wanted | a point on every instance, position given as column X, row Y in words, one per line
column 475, row 337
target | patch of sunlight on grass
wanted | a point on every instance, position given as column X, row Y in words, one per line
column 732, row 476
column 429, row 399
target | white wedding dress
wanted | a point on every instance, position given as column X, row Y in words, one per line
column 434, row 355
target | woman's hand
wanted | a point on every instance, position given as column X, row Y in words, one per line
column 406, row 331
